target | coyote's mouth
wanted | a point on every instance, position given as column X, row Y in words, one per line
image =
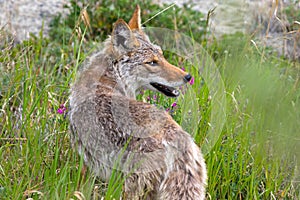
column 166, row 90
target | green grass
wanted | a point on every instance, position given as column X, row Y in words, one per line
column 255, row 156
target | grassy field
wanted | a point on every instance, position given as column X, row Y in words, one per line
column 255, row 156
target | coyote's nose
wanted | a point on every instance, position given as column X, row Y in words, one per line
column 187, row 77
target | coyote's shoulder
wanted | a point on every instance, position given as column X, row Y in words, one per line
column 111, row 129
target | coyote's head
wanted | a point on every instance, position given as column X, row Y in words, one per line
column 140, row 64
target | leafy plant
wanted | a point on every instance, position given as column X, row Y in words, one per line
column 101, row 16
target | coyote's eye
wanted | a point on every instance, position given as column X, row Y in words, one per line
column 152, row 63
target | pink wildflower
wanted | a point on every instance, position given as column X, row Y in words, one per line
column 174, row 105
column 192, row 81
column 61, row 109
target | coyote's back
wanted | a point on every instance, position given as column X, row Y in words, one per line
column 111, row 129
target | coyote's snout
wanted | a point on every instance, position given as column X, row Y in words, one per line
column 158, row 159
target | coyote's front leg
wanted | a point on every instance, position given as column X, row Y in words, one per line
column 140, row 187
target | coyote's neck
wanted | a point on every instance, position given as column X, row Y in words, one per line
column 116, row 85
column 118, row 71
column 105, row 74
column 115, row 81
column 122, row 85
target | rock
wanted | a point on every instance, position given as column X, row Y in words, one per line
column 29, row 16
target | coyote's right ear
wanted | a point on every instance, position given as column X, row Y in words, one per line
column 135, row 21
column 122, row 37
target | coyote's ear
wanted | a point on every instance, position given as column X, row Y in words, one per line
column 122, row 37
column 135, row 21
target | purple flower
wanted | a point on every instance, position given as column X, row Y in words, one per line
column 148, row 98
column 168, row 109
column 174, row 105
column 192, row 81
column 61, row 109
column 183, row 69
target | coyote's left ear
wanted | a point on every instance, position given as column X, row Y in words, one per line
column 135, row 21
column 123, row 38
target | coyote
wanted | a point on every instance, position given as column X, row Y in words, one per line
column 112, row 130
